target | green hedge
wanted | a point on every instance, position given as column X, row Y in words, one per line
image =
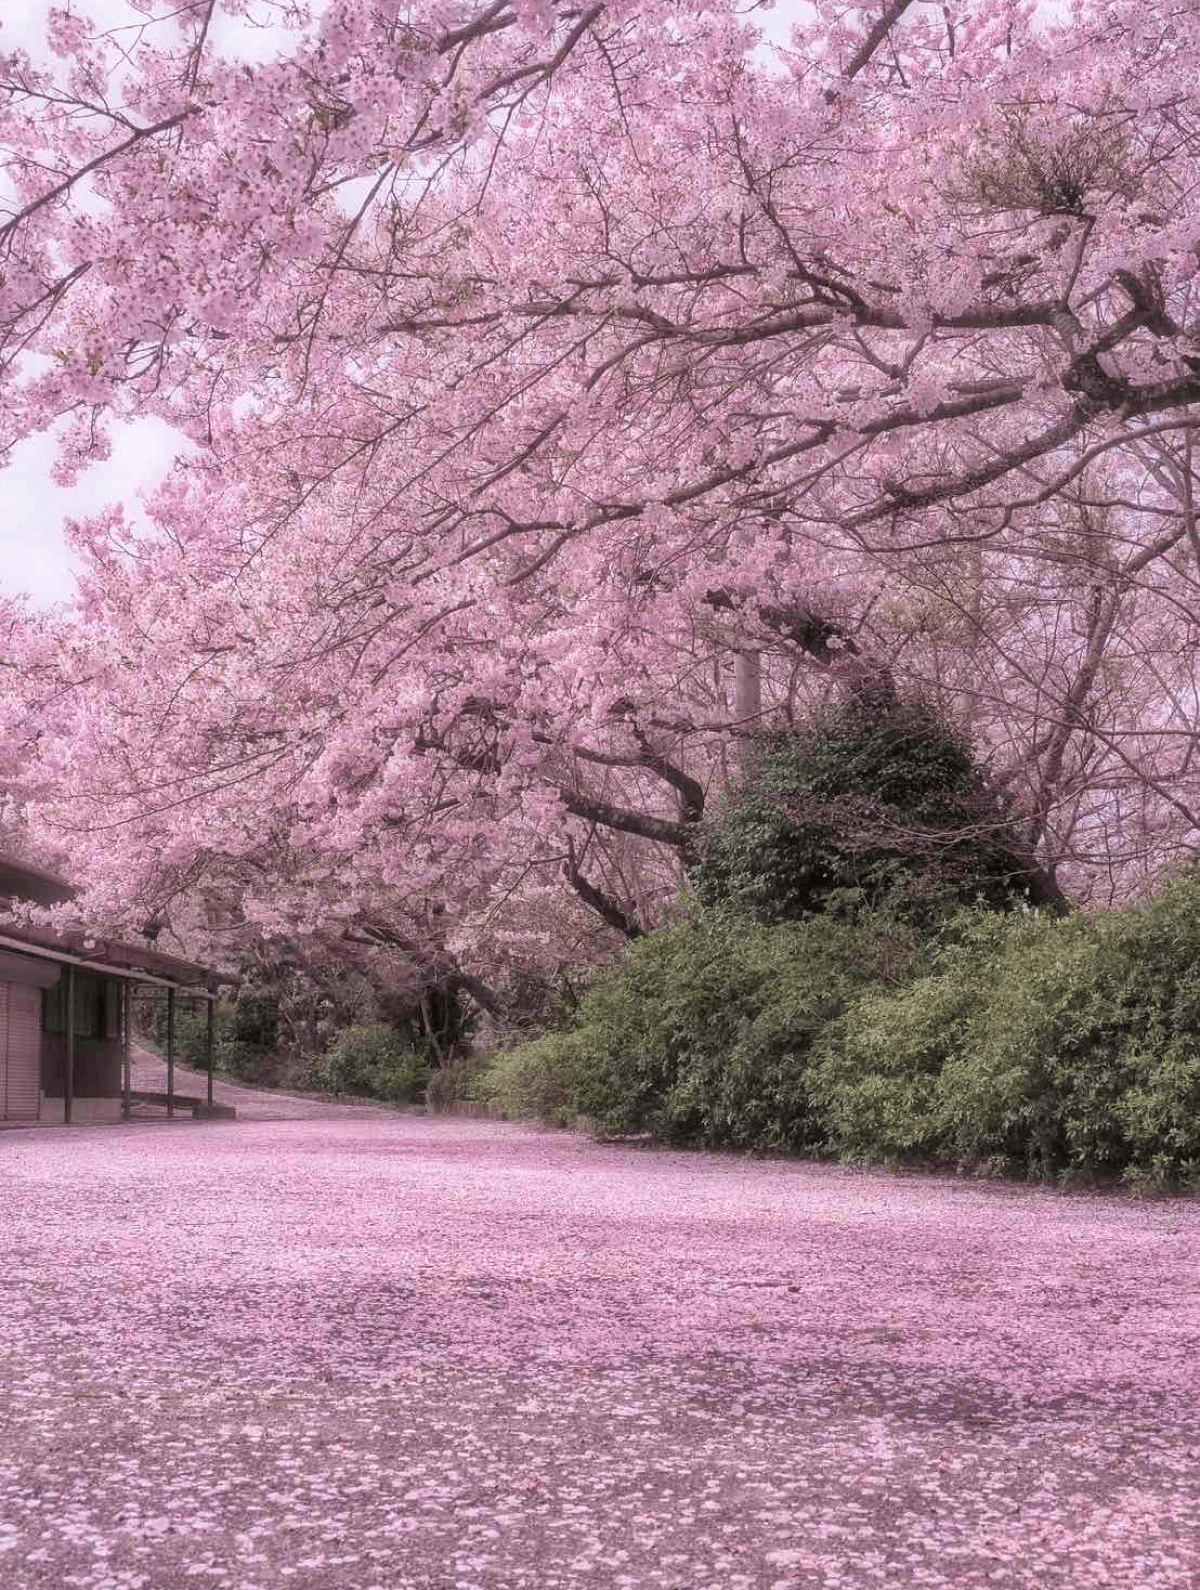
column 1053, row 1047
column 458, row 1080
column 535, row 1081
column 702, row 1035
column 372, row 1062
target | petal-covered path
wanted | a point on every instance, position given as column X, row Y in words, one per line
column 402, row 1353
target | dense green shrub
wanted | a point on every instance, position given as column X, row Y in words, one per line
column 234, row 1057
column 537, row 1080
column 1055, row 1047
column 1082, row 1054
column 236, row 1051
column 256, row 1022
column 869, row 796
column 702, row 1034
column 1013, row 1040
column 877, row 1069
column 372, row 1062
column 1040, row 1065
column 461, row 1079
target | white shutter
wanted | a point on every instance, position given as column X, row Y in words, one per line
column 22, row 1045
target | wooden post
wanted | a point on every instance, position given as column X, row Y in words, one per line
column 69, row 1061
column 127, row 1055
column 170, row 1054
column 209, row 1045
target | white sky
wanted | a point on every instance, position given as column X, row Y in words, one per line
column 33, row 555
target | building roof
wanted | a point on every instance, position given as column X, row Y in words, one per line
column 20, row 881
column 77, row 947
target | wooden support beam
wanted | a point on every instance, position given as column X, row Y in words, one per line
column 170, row 1053
column 127, row 1047
column 208, row 1045
column 69, row 1057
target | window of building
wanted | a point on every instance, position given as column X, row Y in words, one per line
column 97, row 1006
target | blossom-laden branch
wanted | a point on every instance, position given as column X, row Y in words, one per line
column 542, row 362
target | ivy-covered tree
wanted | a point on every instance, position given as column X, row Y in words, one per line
column 875, row 796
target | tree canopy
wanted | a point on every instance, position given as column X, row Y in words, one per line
column 874, row 803
column 571, row 389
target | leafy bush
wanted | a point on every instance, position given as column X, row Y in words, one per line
column 1014, row 1040
column 536, row 1081
column 191, row 1029
column 877, row 1068
column 870, row 797
column 1036, row 1074
column 702, row 1035
column 256, row 1022
column 371, row 1062
column 460, row 1079
column 1057, row 1047
column 1083, row 1054
column 236, row 1058
column 235, row 1051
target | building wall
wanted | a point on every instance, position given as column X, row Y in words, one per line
column 83, row 1111
column 97, row 1066
column 98, row 1049
column 20, row 1050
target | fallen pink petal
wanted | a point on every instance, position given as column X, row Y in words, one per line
column 379, row 1352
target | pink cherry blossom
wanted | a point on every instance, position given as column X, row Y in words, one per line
column 549, row 370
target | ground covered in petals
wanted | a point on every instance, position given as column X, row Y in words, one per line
column 399, row 1353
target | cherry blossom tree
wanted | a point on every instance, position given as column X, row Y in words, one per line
column 575, row 388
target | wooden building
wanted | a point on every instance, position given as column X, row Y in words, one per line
column 65, row 1008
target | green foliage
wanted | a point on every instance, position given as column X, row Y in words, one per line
column 870, row 797
column 701, row 1035
column 234, row 1057
column 256, row 1022
column 877, row 1067
column 235, row 1026
column 537, row 1080
column 432, row 1022
column 896, row 1025
column 1083, row 1052
column 372, row 1062
column 1056, row 1047
column 191, row 1030
column 457, row 1080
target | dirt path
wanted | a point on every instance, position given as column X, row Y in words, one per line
column 252, row 1104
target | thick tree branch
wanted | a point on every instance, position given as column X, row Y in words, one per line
column 825, row 641
column 603, row 904
column 680, row 836
column 875, row 37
